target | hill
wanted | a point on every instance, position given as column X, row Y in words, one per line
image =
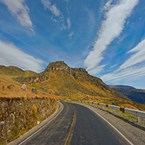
column 136, row 95
column 70, row 82
column 60, row 81
column 15, row 71
column 11, row 88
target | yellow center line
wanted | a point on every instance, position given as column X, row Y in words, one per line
column 71, row 130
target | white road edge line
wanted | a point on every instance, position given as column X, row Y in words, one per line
column 33, row 134
column 111, row 126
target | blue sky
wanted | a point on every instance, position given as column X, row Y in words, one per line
column 106, row 37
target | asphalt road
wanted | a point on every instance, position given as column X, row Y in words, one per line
column 76, row 125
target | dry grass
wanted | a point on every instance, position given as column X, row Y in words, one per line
column 9, row 88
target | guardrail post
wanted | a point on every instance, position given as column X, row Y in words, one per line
column 122, row 109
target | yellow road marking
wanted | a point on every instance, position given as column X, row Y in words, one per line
column 71, row 130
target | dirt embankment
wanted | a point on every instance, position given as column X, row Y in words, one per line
column 18, row 115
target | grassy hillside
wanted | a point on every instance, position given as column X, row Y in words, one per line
column 10, row 70
column 60, row 81
column 9, row 88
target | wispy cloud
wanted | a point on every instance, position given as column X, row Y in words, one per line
column 19, row 9
column 68, row 23
column 91, row 20
column 65, row 24
column 52, row 7
column 111, row 28
column 12, row 55
column 137, row 57
column 132, row 73
column 133, row 68
column 71, row 34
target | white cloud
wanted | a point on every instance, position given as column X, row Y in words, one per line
column 137, row 57
column 19, row 9
column 133, row 68
column 111, row 28
column 48, row 5
column 10, row 55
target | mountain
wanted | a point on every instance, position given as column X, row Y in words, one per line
column 136, row 95
column 66, row 81
column 72, row 84
column 60, row 81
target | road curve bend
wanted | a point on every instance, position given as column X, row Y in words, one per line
column 76, row 125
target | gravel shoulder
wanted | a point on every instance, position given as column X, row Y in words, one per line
column 132, row 133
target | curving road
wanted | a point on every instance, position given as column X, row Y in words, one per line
column 76, row 125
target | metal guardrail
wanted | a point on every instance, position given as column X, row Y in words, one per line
column 114, row 107
column 137, row 113
column 102, row 104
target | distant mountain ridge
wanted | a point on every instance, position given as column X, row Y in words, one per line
column 136, row 95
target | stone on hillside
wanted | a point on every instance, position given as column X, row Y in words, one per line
column 24, row 87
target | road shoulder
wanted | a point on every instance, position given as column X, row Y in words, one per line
column 133, row 134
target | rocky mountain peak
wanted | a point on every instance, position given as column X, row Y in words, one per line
column 58, row 65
